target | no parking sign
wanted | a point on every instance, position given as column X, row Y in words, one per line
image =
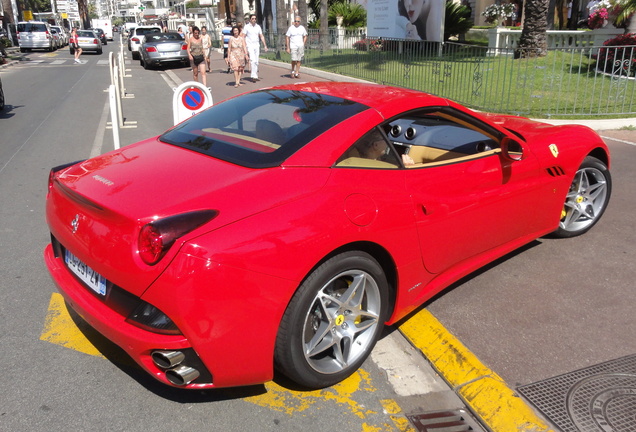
column 189, row 99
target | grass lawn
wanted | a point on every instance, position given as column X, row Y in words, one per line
column 564, row 84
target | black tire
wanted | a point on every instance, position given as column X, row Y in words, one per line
column 333, row 321
column 586, row 200
column 1, row 99
column 71, row 50
column 135, row 55
column 99, row 51
column 22, row 50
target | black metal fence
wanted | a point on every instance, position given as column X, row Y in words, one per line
column 567, row 83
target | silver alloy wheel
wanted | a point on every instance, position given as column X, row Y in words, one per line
column 341, row 322
column 585, row 201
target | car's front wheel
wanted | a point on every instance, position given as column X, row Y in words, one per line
column 333, row 320
column 587, row 198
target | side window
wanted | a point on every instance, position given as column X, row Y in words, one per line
column 370, row 151
column 438, row 137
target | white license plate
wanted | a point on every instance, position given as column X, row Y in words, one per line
column 168, row 54
column 90, row 277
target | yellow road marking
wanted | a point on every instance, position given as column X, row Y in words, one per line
column 60, row 329
column 485, row 392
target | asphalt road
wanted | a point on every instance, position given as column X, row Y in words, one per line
column 552, row 307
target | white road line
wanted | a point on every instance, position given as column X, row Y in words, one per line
column 98, row 143
column 618, row 140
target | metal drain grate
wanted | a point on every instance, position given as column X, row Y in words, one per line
column 445, row 421
column 600, row 398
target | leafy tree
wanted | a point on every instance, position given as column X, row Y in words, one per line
column 534, row 41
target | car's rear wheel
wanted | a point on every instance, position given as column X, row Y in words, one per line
column 333, row 320
column 135, row 55
column 71, row 50
column 99, row 50
column 587, row 198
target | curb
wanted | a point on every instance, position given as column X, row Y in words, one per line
column 484, row 392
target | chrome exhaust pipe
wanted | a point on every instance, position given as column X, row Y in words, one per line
column 182, row 375
column 167, row 359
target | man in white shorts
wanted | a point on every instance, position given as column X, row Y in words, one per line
column 296, row 38
column 252, row 33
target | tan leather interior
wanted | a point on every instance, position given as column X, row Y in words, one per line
column 423, row 154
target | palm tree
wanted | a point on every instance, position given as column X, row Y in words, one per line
column 324, row 25
column 82, row 8
column 281, row 26
column 534, row 41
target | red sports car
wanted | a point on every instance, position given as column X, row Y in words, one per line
column 282, row 228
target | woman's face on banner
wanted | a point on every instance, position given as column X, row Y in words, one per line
column 416, row 8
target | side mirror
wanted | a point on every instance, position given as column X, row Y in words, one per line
column 511, row 149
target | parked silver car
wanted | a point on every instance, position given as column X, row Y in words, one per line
column 159, row 48
column 63, row 33
column 88, row 41
column 58, row 39
column 34, row 35
column 136, row 38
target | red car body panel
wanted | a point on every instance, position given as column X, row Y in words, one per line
column 227, row 283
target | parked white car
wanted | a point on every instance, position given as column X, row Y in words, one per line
column 137, row 38
column 35, row 35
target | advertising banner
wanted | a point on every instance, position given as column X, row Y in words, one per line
column 405, row 19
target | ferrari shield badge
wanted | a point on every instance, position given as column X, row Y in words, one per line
column 554, row 149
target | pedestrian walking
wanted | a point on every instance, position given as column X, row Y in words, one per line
column 74, row 42
column 237, row 55
column 253, row 36
column 207, row 46
column 197, row 58
column 296, row 37
column 227, row 34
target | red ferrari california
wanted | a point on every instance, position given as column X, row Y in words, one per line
column 282, row 228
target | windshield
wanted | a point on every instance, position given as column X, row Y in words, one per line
column 31, row 27
column 85, row 33
column 263, row 128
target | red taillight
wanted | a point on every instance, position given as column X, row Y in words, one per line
column 156, row 237
column 135, row 39
column 184, row 46
column 151, row 49
column 95, row 41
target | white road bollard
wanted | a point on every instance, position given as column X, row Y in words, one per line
column 112, row 96
column 120, row 114
column 111, row 67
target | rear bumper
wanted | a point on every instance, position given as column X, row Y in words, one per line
column 138, row 343
column 36, row 44
column 172, row 59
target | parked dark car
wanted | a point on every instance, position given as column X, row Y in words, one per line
column 101, row 35
column 159, row 48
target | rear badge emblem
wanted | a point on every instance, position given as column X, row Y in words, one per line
column 554, row 149
column 75, row 223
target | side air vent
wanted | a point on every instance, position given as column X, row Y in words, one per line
column 556, row 171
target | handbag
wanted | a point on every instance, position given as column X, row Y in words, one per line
column 198, row 59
